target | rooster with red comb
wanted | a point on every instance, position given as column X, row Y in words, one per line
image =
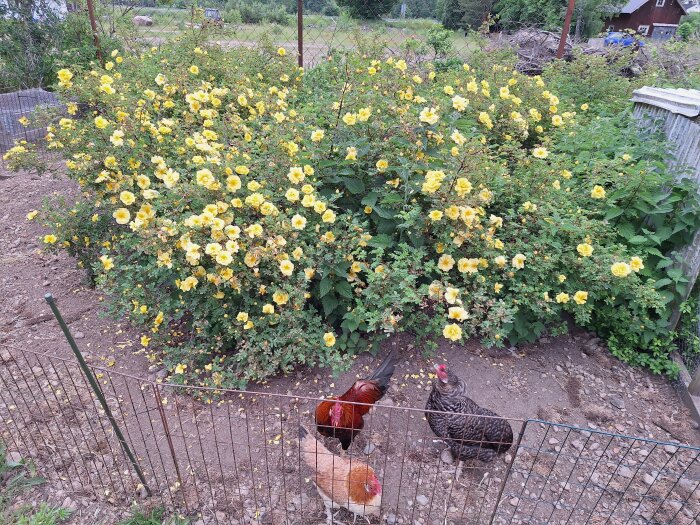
column 343, row 419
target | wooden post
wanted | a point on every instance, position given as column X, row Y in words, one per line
column 300, row 32
column 565, row 29
column 93, row 25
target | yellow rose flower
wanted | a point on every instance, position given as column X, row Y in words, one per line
column 518, row 261
column 636, row 264
column 458, row 313
column 429, row 115
column 621, row 269
column 435, row 215
column 107, row 262
column 101, row 122
column 598, row 192
column 268, row 309
column 127, row 197
column 350, row 119
column 562, row 297
column 50, row 239
column 451, row 295
column 382, row 165
column 317, row 135
column 296, row 174
column 281, row 51
column 121, row 215
column 194, row 70
column 584, row 249
column 180, row 369
column 452, row 331
column 446, row 263
column 287, row 267
column 581, row 297
column 540, row 153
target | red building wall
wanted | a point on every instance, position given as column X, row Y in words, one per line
column 648, row 15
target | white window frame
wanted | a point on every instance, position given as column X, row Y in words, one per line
column 643, row 30
column 660, row 3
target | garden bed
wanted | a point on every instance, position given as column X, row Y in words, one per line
column 568, row 379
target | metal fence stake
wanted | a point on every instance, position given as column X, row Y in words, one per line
column 300, row 32
column 168, row 436
column 98, row 391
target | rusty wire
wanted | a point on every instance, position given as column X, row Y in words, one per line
column 240, row 458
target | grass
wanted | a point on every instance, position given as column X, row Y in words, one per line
column 18, row 477
column 321, row 33
column 154, row 517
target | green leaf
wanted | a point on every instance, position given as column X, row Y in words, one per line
column 370, row 199
column 330, row 303
column 637, row 239
column 392, row 198
column 344, row 289
column 354, row 186
column 381, row 241
column 613, row 213
column 325, row 286
column 662, row 282
column 675, row 273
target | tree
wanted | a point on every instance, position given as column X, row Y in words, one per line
column 590, row 14
column 475, row 12
column 452, row 15
column 367, row 8
column 545, row 14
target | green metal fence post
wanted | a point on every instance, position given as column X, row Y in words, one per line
column 98, row 391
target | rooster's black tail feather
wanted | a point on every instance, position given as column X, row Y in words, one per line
column 383, row 374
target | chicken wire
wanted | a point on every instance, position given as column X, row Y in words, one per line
column 237, row 459
column 316, row 35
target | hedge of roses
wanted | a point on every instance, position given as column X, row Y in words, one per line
column 252, row 217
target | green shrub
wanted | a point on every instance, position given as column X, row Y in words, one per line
column 367, row 9
column 251, row 218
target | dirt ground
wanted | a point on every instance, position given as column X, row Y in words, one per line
column 237, row 456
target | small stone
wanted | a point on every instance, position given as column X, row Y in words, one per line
column 69, row 504
column 391, row 518
column 220, row 516
column 514, row 501
column 369, row 448
column 625, row 472
column 79, row 335
column 670, row 449
column 559, row 369
column 47, row 283
column 422, row 500
column 14, row 457
column 617, row 402
column 648, row 479
column 553, row 441
column 5, row 356
column 446, row 456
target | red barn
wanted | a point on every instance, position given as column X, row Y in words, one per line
column 657, row 19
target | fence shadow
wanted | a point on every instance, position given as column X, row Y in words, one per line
column 235, row 458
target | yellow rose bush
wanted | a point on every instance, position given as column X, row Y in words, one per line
column 252, row 217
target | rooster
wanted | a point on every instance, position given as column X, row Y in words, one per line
column 468, row 434
column 339, row 418
column 340, row 482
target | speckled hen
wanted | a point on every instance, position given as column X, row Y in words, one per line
column 472, row 432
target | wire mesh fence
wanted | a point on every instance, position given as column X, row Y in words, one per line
column 236, row 457
column 315, row 30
